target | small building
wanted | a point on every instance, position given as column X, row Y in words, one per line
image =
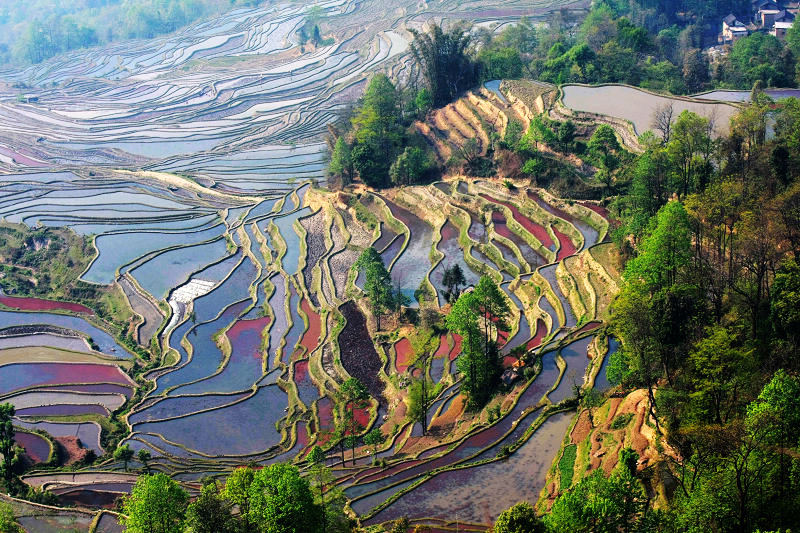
column 732, row 29
column 766, row 17
column 779, row 29
column 763, row 5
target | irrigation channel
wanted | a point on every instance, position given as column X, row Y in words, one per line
column 192, row 163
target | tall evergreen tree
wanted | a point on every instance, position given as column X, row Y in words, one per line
column 478, row 316
column 8, row 450
column 377, row 284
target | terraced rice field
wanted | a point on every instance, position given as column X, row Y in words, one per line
column 252, row 345
column 189, row 161
column 254, row 378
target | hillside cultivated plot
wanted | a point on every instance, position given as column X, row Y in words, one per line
column 75, row 344
column 87, row 432
column 104, row 341
column 190, row 157
column 38, row 304
column 36, row 447
column 244, row 428
column 25, row 375
column 744, row 96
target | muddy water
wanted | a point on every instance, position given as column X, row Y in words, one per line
column 549, row 273
column 638, row 106
column 469, row 446
column 479, row 494
column 413, row 264
column 453, row 255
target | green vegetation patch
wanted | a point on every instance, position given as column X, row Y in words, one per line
column 621, row 421
column 566, row 466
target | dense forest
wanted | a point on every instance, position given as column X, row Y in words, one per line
column 708, row 314
column 31, row 32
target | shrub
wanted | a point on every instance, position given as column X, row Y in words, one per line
column 504, row 452
column 621, row 421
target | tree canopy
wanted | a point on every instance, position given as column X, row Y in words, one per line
column 157, row 504
column 520, row 518
column 211, row 513
column 8, row 450
column 281, row 501
column 377, row 284
column 477, row 316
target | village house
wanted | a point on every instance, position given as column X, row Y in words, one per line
column 780, row 28
column 769, row 17
column 732, row 29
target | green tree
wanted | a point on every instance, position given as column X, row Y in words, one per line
column 534, row 166
column 8, row 449
column 689, row 149
column 648, row 188
column 377, row 130
column 374, row 439
column 123, row 453
column 603, row 146
column 760, row 57
column 477, row 316
column 665, row 252
column 316, row 455
column 339, row 435
column 565, row 135
column 8, row 524
column 785, row 301
column 445, row 61
column 424, row 343
column 237, row 490
column 378, row 283
column 410, row 167
column 418, row 402
column 423, row 102
column 211, row 513
column 369, row 160
column 719, row 375
column 539, row 131
column 793, row 39
column 520, row 518
column 637, row 361
column 591, row 399
column 600, row 505
column 355, row 396
column 695, row 70
column 328, row 496
column 452, row 279
column 513, row 134
column 777, row 409
column 157, row 504
column 281, row 501
column 341, row 165
column 500, row 64
column 144, row 458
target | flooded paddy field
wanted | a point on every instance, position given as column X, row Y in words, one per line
column 192, row 164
